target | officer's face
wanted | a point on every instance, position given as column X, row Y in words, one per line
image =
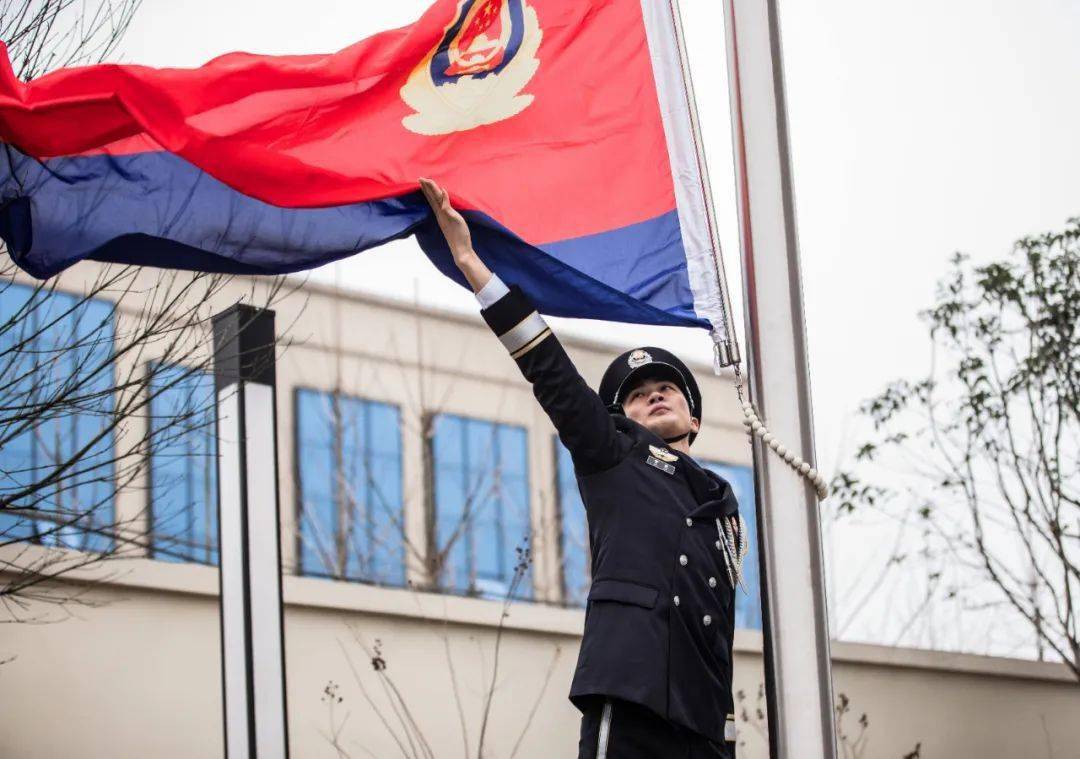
column 659, row 406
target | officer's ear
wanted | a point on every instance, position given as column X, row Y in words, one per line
column 695, row 427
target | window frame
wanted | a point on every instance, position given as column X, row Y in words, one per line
column 214, row 549
column 402, row 571
column 526, row 589
column 99, row 531
column 558, row 450
column 748, row 509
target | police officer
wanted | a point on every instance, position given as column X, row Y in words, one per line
column 653, row 676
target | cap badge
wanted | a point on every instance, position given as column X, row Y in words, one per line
column 639, row 358
column 663, row 454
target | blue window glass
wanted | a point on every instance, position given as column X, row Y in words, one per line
column 748, row 604
column 56, row 438
column 481, row 481
column 348, row 453
column 574, row 530
column 183, row 465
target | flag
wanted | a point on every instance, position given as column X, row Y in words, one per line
column 562, row 129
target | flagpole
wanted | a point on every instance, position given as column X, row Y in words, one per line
column 798, row 676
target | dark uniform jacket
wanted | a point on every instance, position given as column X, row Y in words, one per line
column 661, row 612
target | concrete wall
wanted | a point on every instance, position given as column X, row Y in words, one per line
column 139, row 677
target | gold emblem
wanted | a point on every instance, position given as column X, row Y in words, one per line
column 638, row 358
column 476, row 73
column 663, row 454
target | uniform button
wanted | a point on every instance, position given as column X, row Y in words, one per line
column 712, row 582
column 682, row 559
column 676, row 599
column 689, row 522
column 707, row 620
column 717, row 545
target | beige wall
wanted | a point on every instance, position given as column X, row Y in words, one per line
column 138, row 675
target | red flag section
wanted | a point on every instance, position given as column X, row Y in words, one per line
column 541, row 113
column 561, row 128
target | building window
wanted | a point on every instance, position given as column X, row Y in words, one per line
column 183, row 465
column 348, row 464
column 748, row 604
column 56, row 438
column 574, row 530
column 481, row 492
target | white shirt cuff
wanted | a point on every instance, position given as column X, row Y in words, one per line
column 491, row 292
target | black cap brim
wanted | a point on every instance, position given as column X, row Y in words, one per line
column 656, row 370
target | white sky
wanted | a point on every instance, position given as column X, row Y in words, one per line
column 918, row 129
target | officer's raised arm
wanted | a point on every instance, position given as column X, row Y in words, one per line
column 580, row 417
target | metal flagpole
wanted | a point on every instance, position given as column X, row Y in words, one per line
column 797, row 659
column 249, row 536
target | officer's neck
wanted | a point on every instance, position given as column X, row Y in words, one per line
column 681, row 445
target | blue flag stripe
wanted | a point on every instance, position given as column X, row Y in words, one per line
column 157, row 209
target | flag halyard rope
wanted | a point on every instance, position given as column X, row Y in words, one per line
column 754, row 426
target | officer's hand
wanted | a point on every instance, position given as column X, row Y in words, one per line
column 456, row 232
column 452, row 223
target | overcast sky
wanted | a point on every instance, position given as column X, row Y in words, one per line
column 918, row 129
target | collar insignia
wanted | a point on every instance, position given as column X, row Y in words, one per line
column 663, row 454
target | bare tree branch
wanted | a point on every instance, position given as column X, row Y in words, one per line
column 82, row 418
column 992, row 439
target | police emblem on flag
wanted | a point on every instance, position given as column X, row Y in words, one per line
column 475, row 75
